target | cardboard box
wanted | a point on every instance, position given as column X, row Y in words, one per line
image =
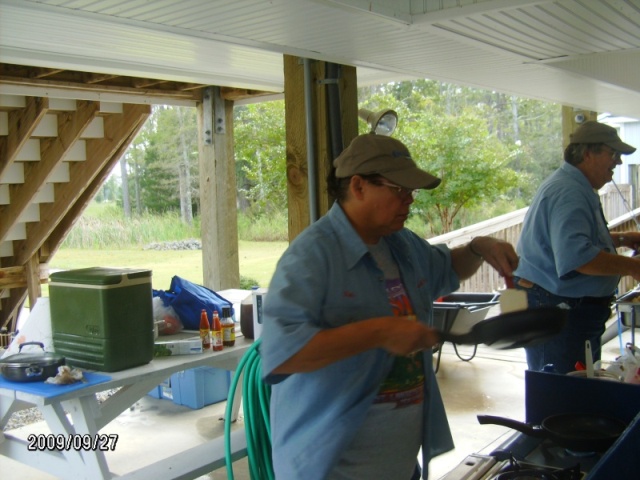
column 166, row 348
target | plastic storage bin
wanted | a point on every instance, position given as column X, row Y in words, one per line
column 199, row 386
column 163, row 390
column 102, row 318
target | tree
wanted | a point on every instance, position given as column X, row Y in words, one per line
column 170, row 168
column 472, row 163
column 260, row 153
column 531, row 129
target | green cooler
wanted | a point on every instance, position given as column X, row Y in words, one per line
column 102, row 318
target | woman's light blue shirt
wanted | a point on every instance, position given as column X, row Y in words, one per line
column 325, row 279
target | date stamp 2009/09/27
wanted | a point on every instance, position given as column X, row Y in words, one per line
column 72, row 441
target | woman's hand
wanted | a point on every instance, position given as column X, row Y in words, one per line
column 407, row 336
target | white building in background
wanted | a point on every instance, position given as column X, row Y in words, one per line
column 629, row 171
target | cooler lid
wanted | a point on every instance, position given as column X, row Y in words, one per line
column 99, row 275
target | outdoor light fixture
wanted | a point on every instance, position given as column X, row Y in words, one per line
column 382, row 123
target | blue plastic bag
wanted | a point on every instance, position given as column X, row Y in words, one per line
column 188, row 299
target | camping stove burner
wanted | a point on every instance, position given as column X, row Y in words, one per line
column 524, row 471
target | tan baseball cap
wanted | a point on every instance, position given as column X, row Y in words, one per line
column 595, row 132
column 371, row 154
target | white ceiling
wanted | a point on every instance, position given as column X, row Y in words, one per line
column 580, row 53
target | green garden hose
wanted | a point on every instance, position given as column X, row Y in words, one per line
column 255, row 406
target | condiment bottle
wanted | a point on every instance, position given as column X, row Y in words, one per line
column 205, row 334
column 228, row 328
column 216, row 332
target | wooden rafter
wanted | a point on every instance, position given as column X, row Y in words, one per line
column 13, row 277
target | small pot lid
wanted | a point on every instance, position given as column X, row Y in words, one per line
column 19, row 360
column 38, row 358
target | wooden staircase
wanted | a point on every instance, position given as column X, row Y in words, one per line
column 55, row 153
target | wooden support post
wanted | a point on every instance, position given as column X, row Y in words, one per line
column 219, row 215
column 296, row 135
column 569, row 123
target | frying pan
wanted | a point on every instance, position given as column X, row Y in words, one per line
column 512, row 330
column 583, row 432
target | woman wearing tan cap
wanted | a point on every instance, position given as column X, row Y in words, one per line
column 345, row 343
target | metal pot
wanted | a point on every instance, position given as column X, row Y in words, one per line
column 31, row 367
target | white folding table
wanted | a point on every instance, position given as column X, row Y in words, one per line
column 87, row 417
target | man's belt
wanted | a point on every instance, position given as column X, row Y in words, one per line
column 608, row 300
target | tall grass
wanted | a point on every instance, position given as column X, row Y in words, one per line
column 117, row 241
column 271, row 228
column 103, row 226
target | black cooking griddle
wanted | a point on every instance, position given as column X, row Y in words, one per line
column 513, row 330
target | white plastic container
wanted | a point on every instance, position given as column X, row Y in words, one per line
column 259, row 295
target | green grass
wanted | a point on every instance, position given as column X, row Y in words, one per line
column 257, row 261
column 102, row 237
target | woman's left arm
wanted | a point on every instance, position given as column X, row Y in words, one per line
column 499, row 254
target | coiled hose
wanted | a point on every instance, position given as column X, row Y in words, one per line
column 255, row 406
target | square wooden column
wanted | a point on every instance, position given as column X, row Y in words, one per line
column 298, row 163
column 219, row 214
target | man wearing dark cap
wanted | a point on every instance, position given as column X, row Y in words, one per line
column 567, row 255
column 346, row 342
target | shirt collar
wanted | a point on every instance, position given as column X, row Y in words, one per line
column 576, row 174
column 353, row 247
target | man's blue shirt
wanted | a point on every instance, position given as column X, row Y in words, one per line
column 325, row 279
column 563, row 230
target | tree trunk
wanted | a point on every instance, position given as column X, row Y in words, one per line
column 126, row 204
column 186, row 207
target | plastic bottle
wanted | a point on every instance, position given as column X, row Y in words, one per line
column 205, row 334
column 216, row 332
column 228, row 328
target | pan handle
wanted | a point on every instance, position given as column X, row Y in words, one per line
column 533, row 431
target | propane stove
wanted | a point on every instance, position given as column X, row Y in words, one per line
column 523, row 457
column 517, row 455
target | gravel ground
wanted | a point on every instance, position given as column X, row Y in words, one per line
column 191, row 244
column 32, row 415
